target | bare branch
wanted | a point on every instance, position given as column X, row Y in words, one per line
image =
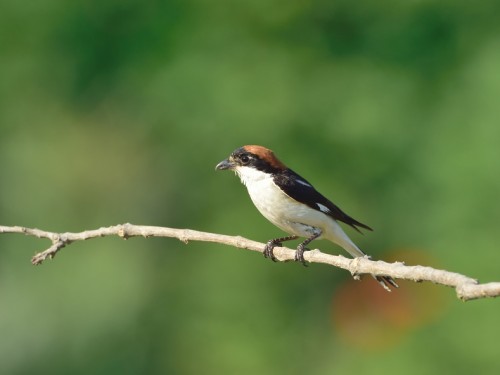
column 465, row 287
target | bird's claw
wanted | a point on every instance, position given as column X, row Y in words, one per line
column 299, row 255
column 271, row 244
column 268, row 250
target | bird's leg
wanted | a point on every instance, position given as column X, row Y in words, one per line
column 271, row 244
column 299, row 255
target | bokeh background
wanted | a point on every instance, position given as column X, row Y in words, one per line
column 117, row 111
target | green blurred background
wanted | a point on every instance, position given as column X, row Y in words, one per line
column 117, row 111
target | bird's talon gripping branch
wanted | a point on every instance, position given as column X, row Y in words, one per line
column 268, row 250
column 277, row 242
column 299, row 255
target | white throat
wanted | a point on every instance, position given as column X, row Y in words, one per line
column 249, row 176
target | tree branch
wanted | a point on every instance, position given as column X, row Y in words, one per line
column 465, row 287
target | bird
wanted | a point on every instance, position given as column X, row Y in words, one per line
column 292, row 204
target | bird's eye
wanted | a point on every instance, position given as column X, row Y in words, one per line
column 244, row 159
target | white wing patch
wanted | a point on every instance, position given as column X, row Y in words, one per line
column 323, row 208
column 303, row 183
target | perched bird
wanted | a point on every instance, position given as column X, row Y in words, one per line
column 291, row 203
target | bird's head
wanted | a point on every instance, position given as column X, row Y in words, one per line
column 252, row 162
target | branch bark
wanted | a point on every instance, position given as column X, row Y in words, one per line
column 465, row 287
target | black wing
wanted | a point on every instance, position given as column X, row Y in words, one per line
column 302, row 191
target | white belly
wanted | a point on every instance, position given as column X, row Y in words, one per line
column 284, row 212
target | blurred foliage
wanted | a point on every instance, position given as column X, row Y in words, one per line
column 117, row 111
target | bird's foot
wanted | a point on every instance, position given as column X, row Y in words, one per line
column 268, row 250
column 271, row 244
column 299, row 254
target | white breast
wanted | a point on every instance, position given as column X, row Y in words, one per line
column 284, row 212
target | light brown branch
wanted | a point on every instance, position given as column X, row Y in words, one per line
column 465, row 287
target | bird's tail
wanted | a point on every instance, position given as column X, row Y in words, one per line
column 338, row 236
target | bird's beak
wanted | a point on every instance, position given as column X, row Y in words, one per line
column 225, row 164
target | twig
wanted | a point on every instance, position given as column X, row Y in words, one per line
column 465, row 287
